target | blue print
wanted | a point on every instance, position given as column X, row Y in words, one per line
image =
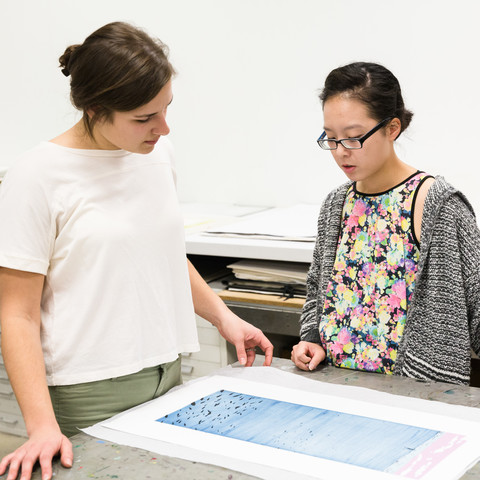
column 302, row 429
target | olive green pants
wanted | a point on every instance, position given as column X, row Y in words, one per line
column 84, row 404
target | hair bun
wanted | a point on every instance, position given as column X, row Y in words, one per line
column 66, row 58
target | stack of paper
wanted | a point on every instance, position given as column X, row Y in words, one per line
column 268, row 277
column 270, row 271
column 296, row 223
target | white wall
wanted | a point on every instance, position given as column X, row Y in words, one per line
column 245, row 114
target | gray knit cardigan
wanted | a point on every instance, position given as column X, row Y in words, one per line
column 443, row 318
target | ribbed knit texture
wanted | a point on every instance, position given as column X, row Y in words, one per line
column 443, row 319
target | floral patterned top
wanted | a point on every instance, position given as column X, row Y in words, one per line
column 372, row 280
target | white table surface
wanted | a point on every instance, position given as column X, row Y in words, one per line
column 199, row 218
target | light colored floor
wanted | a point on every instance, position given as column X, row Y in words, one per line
column 8, row 443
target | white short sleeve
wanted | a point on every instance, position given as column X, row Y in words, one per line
column 27, row 221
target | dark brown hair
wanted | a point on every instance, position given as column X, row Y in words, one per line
column 372, row 84
column 117, row 68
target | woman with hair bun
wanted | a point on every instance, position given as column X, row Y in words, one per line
column 394, row 283
column 97, row 297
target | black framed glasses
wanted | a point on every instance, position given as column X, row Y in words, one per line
column 349, row 143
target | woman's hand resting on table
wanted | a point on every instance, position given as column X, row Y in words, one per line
column 42, row 445
column 307, row 355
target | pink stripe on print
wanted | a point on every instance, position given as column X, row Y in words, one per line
column 431, row 456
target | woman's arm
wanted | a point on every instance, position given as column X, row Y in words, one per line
column 20, row 296
column 244, row 336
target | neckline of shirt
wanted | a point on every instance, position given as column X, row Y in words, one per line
column 85, row 152
column 354, row 186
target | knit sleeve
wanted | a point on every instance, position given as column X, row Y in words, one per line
column 329, row 224
column 308, row 320
column 443, row 318
column 469, row 243
column 323, row 257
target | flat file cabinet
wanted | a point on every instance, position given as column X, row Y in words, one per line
column 213, row 352
column 11, row 420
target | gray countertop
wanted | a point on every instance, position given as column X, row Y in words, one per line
column 100, row 459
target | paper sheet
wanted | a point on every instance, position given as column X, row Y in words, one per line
column 295, row 223
column 455, row 426
column 199, row 217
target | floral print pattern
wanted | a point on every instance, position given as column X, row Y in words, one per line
column 373, row 279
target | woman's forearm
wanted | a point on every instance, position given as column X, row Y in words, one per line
column 23, row 357
column 20, row 297
column 206, row 302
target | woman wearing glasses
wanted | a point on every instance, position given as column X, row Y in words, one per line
column 394, row 283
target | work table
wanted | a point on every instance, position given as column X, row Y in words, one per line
column 100, row 459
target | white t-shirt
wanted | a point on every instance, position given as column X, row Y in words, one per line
column 105, row 229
